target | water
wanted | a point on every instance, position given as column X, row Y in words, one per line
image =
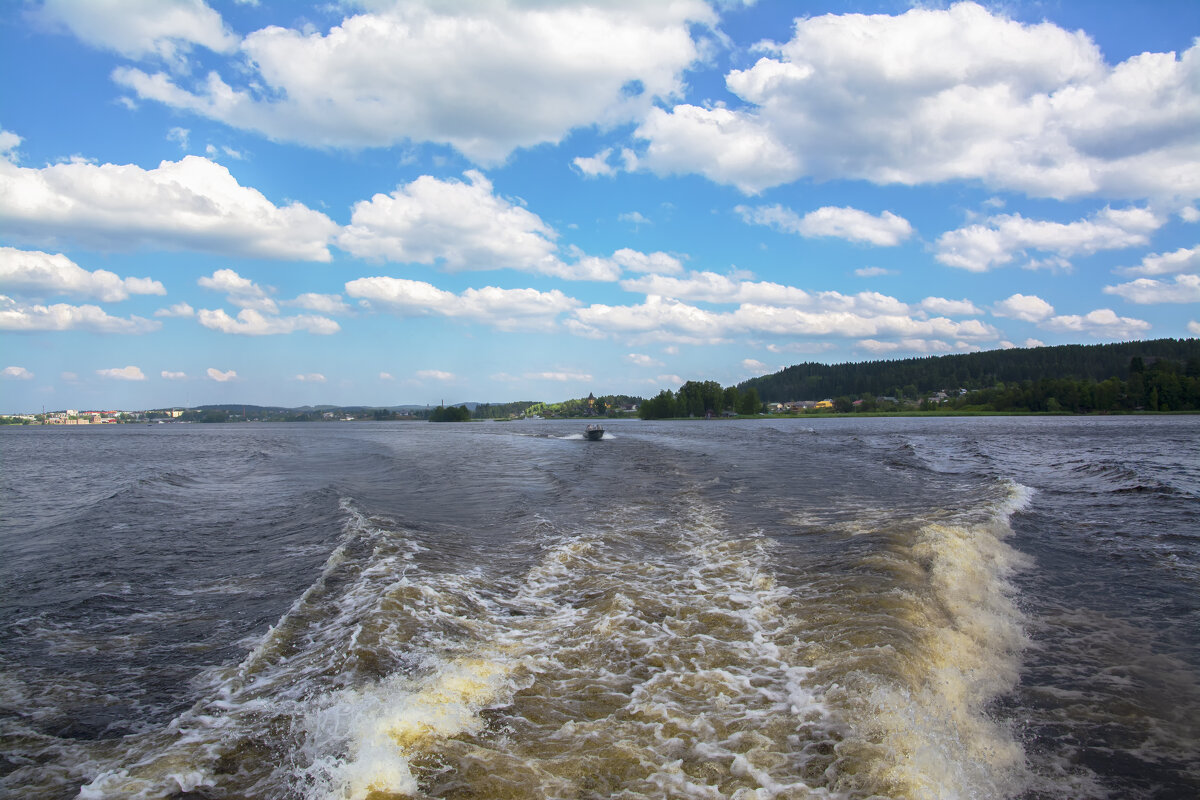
column 903, row 608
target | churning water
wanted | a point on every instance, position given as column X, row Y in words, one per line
column 926, row 608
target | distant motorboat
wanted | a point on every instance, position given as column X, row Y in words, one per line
column 593, row 433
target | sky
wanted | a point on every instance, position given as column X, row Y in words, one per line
column 380, row 203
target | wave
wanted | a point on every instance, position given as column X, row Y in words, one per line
column 645, row 656
column 914, row 647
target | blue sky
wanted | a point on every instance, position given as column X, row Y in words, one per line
column 385, row 202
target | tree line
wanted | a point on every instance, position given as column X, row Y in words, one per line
column 1164, row 385
column 912, row 378
column 450, row 414
column 701, row 399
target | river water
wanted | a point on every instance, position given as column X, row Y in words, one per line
column 841, row 608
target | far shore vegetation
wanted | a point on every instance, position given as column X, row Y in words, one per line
column 1156, row 376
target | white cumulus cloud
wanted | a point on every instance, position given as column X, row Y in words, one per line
column 176, row 310
column 139, row 28
column 35, row 272
column 559, row 377
column 122, row 373
column 1183, row 289
column 324, row 303
column 173, row 376
column 979, row 248
column 461, row 225
column 16, row 316
column 250, row 322
column 310, row 377
column 241, row 292
column 957, row 308
column 1185, row 259
column 190, row 204
column 1029, row 308
column 644, row 360
column 885, row 230
column 1102, row 323
column 506, row 309
column 221, row 377
column 940, row 94
column 16, row 373
column 485, row 78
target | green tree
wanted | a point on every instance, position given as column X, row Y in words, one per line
column 748, row 403
column 731, row 398
column 661, row 406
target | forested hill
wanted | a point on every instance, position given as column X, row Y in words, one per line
column 914, row 376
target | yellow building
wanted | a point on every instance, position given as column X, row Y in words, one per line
column 824, row 404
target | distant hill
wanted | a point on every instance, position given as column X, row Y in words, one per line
column 910, row 377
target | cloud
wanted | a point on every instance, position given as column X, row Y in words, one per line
column 732, row 147
column 190, row 204
column 597, row 268
column 173, row 376
column 599, row 165
column 559, row 377
column 1029, row 308
column 386, row 376
column 16, row 373
column 35, row 272
column 1185, row 259
column 250, row 322
column 221, row 377
column 176, row 310
column 909, row 346
column 663, row 317
column 241, row 292
column 934, row 95
column 595, row 166
column 505, row 309
column 885, row 230
column 435, row 375
column 644, row 360
column 978, row 248
column 325, row 303
column 793, row 321
column 463, row 226
column 940, row 305
column 754, row 365
column 865, row 315
column 164, row 29
column 311, row 377
column 122, row 374
column 635, row 217
column 709, row 287
column 484, row 78
column 15, row 316
column 872, row 272
column 1101, row 323
column 659, row 263
column 1194, row 328
column 9, row 142
column 1184, row 289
